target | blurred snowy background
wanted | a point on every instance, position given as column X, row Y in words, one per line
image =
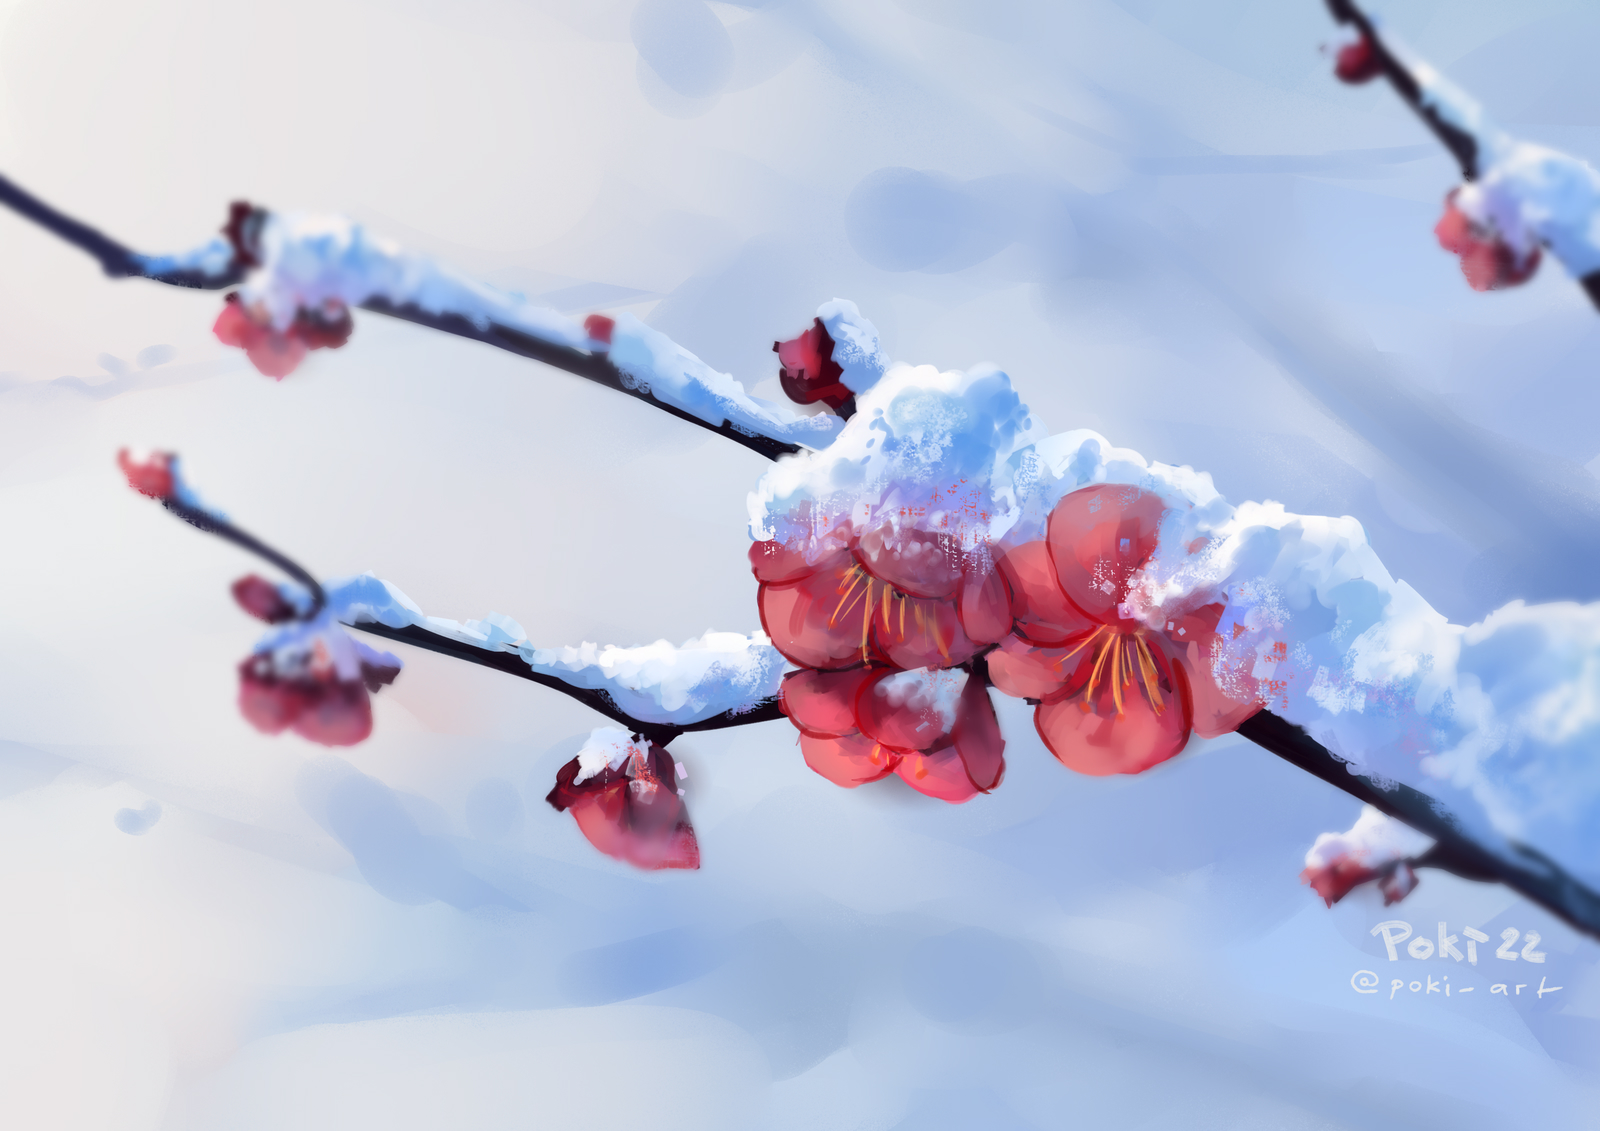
column 1164, row 219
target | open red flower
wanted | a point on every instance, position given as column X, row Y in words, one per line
column 1487, row 260
column 890, row 597
column 1115, row 695
column 311, row 677
column 276, row 353
column 807, row 370
column 935, row 728
column 624, row 795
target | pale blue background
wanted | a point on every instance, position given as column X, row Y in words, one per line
column 1165, row 220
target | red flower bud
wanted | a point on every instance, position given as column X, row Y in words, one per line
column 261, row 599
column 1358, row 62
column 151, row 475
column 809, row 374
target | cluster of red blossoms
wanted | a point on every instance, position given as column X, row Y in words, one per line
column 895, row 630
column 631, row 811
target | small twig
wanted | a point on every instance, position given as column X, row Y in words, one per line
column 116, row 260
column 1462, row 145
column 222, row 528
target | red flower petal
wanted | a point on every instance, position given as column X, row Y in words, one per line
column 638, row 819
column 915, row 633
column 978, row 740
column 262, row 599
column 937, row 773
column 913, row 561
column 1215, row 708
column 1098, row 536
column 673, row 846
column 984, row 606
column 823, row 704
column 599, row 327
column 820, row 621
column 1022, row 671
column 150, row 476
column 776, row 563
column 902, row 710
column 1093, row 733
column 1358, row 62
column 336, row 714
column 849, row 761
column 1041, row 610
column 268, row 704
column 1336, row 880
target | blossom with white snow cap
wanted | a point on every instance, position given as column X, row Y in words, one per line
column 1376, row 847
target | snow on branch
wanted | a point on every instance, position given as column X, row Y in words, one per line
column 717, row 680
column 303, row 274
column 1517, row 197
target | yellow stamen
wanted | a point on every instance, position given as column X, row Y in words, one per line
column 1116, row 672
column 1099, row 666
column 1147, row 668
column 854, row 576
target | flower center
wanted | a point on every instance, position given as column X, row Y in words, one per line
column 1121, row 660
column 865, row 597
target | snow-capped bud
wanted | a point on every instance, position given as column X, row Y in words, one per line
column 149, row 474
column 1487, row 260
column 808, row 372
column 624, row 794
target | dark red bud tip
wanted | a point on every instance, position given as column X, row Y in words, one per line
column 261, row 599
column 807, row 370
column 243, row 231
column 150, row 476
column 599, row 327
column 1358, row 62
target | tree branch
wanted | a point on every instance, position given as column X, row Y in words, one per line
column 1522, row 869
column 596, row 367
column 116, row 260
column 761, row 711
column 1461, row 144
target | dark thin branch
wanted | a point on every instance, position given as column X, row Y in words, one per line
column 222, row 528
column 115, row 260
column 660, row 733
column 1462, row 145
column 1523, row 870
column 596, row 367
column 121, row 262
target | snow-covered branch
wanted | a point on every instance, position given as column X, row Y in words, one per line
column 301, row 276
column 1517, row 197
column 718, row 680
